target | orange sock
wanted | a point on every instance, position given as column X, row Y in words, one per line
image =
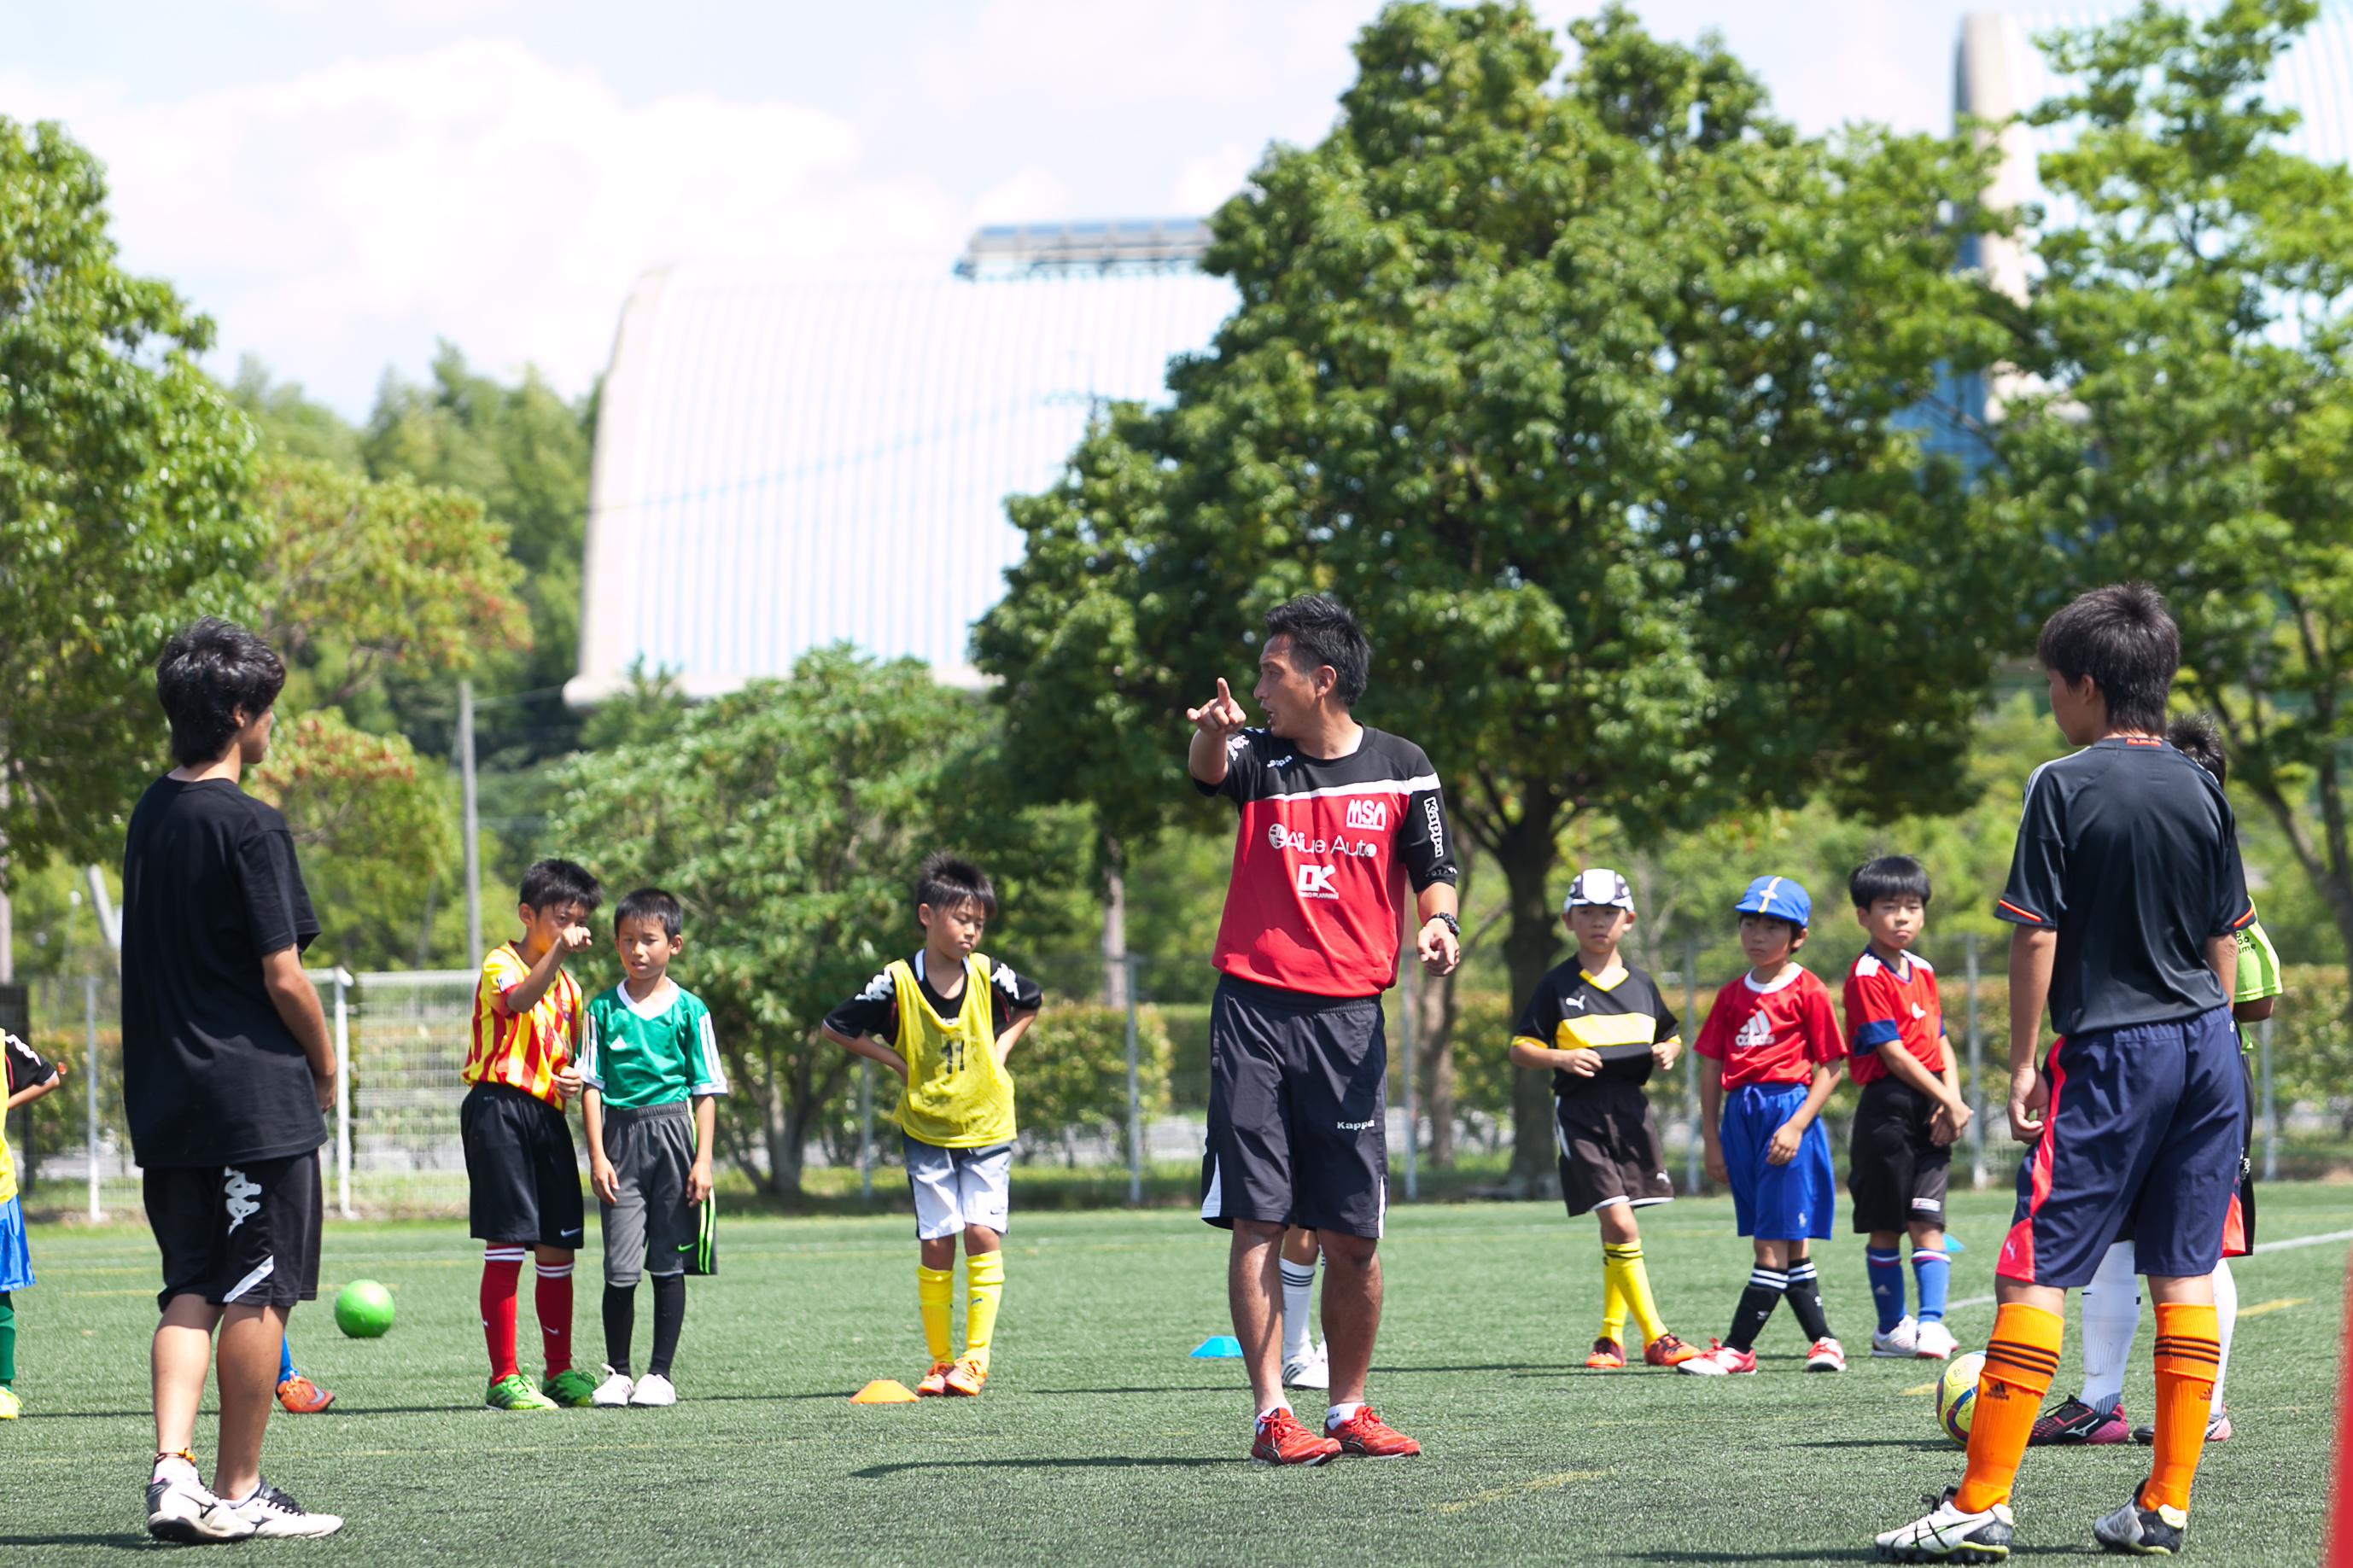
column 2021, row 1362
column 2189, row 1354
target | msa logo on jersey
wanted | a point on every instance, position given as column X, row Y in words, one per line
column 1371, row 816
column 1315, row 882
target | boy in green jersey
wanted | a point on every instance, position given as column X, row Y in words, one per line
column 650, row 1074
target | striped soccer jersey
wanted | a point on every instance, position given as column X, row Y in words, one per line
column 525, row 1050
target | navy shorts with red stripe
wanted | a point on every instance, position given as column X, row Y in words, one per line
column 2145, row 1127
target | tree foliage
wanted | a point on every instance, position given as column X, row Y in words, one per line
column 122, row 470
column 1588, row 391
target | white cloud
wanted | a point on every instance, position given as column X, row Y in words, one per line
column 1030, row 194
column 343, row 218
column 1205, row 182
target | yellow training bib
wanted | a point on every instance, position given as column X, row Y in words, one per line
column 958, row 1096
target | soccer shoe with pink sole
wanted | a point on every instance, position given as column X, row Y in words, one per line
column 1826, row 1355
column 1281, row 1440
column 2076, row 1424
column 2218, row 1430
column 1934, row 1341
column 1719, row 1360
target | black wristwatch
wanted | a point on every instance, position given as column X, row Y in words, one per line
column 1451, row 923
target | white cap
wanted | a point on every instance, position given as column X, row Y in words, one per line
column 1600, row 886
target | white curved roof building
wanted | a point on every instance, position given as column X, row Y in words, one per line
column 783, row 462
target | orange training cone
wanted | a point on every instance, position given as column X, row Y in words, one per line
column 884, row 1391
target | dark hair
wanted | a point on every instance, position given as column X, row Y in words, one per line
column 2195, row 737
column 1321, row 633
column 650, row 904
column 947, row 880
column 1889, row 877
column 2121, row 637
column 560, row 883
column 204, row 674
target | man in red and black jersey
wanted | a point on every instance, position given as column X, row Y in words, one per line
column 1337, row 821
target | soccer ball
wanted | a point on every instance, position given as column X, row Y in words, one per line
column 364, row 1310
column 1956, row 1395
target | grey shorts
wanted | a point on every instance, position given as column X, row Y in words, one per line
column 652, row 1230
column 958, row 1187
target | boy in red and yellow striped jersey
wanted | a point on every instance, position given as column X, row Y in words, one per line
column 520, row 1164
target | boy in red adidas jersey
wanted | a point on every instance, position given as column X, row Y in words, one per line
column 1774, row 1047
column 1912, row 1107
column 522, row 1176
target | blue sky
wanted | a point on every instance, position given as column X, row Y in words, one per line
column 339, row 184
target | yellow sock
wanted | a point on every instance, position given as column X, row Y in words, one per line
column 935, row 1293
column 1613, row 1304
column 1623, row 1267
column 2021, row 1361
column 983, row 1277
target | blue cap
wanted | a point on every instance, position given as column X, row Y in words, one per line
column 1783, row 897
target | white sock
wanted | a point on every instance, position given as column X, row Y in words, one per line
column 2226, row 1314
column 1264, row 1414
column 1339, row 1414
column 1298, row 1287
column 173, row 1463
column 2111, row 1315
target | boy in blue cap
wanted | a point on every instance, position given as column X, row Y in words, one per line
column 1776, row 1048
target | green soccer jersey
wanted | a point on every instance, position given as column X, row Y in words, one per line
column 655, row 1052
column 2259, row 965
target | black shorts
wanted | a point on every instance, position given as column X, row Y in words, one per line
column 1298, row 1089
column 1896, row 1174
column 1609, row 1149
column 240, row 1235
column 520, row 1165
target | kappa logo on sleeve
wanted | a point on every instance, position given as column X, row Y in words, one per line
column 1437, row 824
column 1315, row 882
column 877, row 988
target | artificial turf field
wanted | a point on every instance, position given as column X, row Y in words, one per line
column 1099, row 1441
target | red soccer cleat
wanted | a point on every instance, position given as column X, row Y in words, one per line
column 1669, row 1351
column 302, row 1397
column 1720, row 1359
column 933, row 1383
column 1364, row 1433
column 1281, row 1440
column 1607, row 1356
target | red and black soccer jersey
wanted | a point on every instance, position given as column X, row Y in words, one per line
column 1892, row 1002
column 1328, row 849
column 2129, row 852
column 1771, row 1034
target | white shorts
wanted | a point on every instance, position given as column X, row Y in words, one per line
column 958, row 1187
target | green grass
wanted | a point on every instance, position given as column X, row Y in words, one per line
column 1100, row 1442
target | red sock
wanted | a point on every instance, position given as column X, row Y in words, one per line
column 501, row 1273
column 553, row 1300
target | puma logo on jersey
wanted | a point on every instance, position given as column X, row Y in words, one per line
column 1315, row 882
column 243, row 1194
column 1576, row 1002
column 1371, row 816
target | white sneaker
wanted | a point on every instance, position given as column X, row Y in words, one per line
column 272, row 1513
column 1313, row 1370
column 613, row 1393
column 1945, row 1534
column 1898, row 1343
column 654, row 1390
column 1936, row 1342
column 183, row 1508
column 1826, row 1355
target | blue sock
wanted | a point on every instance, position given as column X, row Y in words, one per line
column 1936, row 1272
column 1887, row 1285
column 285, row 1360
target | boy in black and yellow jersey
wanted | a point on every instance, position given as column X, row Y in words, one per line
column 944, row 1021
column 1600, row 1024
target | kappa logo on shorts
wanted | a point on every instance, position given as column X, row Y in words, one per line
column 1354, row 1126
column 1928, row 1206
column 242, row 1192
column 1372, row 816
column 1315, row 882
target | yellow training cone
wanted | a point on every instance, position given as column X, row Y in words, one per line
column 884, row 1391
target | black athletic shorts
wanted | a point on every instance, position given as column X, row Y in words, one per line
column 242, row 1236
column 1896, row 1174
column 1609, row 1149
column 1298, row 1088
column 520, row 1164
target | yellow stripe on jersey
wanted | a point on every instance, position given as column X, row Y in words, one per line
column 1604, row 1029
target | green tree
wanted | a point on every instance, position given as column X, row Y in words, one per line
column 122, row 514
column 1588, row 393
column 790, row 818
column 2188, row 417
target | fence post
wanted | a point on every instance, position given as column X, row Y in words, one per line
column 1691, row 1062
column 1977, row 1078
column 2270, row 1106
column 1406, row 985
column 89, row 1086
column 865, row 1130
column 342, row 1091
column 1135, row 1093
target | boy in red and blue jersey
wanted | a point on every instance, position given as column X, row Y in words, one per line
column 2129, row 896
column 1911, row 1111
column 1775, row 1046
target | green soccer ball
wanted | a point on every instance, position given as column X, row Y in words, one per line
column 364, row 1310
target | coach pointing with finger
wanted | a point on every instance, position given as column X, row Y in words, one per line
column 1336, row 820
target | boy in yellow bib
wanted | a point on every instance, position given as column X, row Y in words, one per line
column 945, row 1022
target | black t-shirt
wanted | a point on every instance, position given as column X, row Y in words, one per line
column 1621, row 1021
column 21, row 1066
column 211, row 1075
column 2128, row 850
column 874, row 1012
